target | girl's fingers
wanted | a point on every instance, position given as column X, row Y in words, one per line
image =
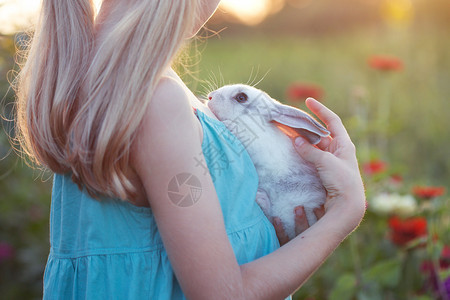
column 324, row 143
column 319, row 211
column 333, row 122
column 301, row 222
column 281, row 234
column 308, row 152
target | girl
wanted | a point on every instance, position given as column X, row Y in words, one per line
column 100, row 106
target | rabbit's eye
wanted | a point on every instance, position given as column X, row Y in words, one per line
column 241, row 97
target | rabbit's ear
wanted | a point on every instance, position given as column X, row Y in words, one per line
column 300, row 121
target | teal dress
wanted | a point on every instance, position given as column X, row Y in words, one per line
column 111, row 249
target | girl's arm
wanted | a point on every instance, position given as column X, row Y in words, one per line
column 169, row 143
column 335, row 160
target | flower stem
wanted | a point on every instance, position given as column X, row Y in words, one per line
column 356, row 259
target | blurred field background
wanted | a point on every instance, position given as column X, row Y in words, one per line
column 382, row 65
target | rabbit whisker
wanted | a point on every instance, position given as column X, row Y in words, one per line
column 262, row 78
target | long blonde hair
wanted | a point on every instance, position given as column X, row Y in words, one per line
column 89, row 133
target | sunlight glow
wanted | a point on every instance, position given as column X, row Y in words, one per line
column 248, row 11
column 17, row 15
column 97, row 4
column 397, row 12
column 251, row 12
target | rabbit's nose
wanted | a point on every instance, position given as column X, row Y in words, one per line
column 211, row 95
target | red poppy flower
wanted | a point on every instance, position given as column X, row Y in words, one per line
column 301, row 91
column 426, row 266
column 428, row 192
column 396, row 179
column 444, row 262
column 385, row 63
column 375, row 166
column 405, row 231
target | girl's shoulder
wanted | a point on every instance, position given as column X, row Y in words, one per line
column 168, row 133
column 170, row 111
column 170, row 98
column 168, row 122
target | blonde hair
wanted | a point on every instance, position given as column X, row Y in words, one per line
column 89, row 132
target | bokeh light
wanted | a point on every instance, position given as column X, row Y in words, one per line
column 397, row 12
column 251, row 12
column 17, row 14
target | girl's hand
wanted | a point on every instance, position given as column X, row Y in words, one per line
column 335, row 160
column 301, row 223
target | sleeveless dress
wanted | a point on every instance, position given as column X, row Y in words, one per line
column 111, row 249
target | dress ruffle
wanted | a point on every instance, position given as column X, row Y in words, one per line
column 138, row 273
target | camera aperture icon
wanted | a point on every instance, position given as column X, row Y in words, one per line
column 184, row 190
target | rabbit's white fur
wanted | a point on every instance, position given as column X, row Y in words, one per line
column 285, row 179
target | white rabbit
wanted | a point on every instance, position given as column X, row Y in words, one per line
column 263, row 125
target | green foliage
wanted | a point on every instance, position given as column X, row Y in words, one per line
column 345, row 287
column 385, row 273
column 24, row 204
